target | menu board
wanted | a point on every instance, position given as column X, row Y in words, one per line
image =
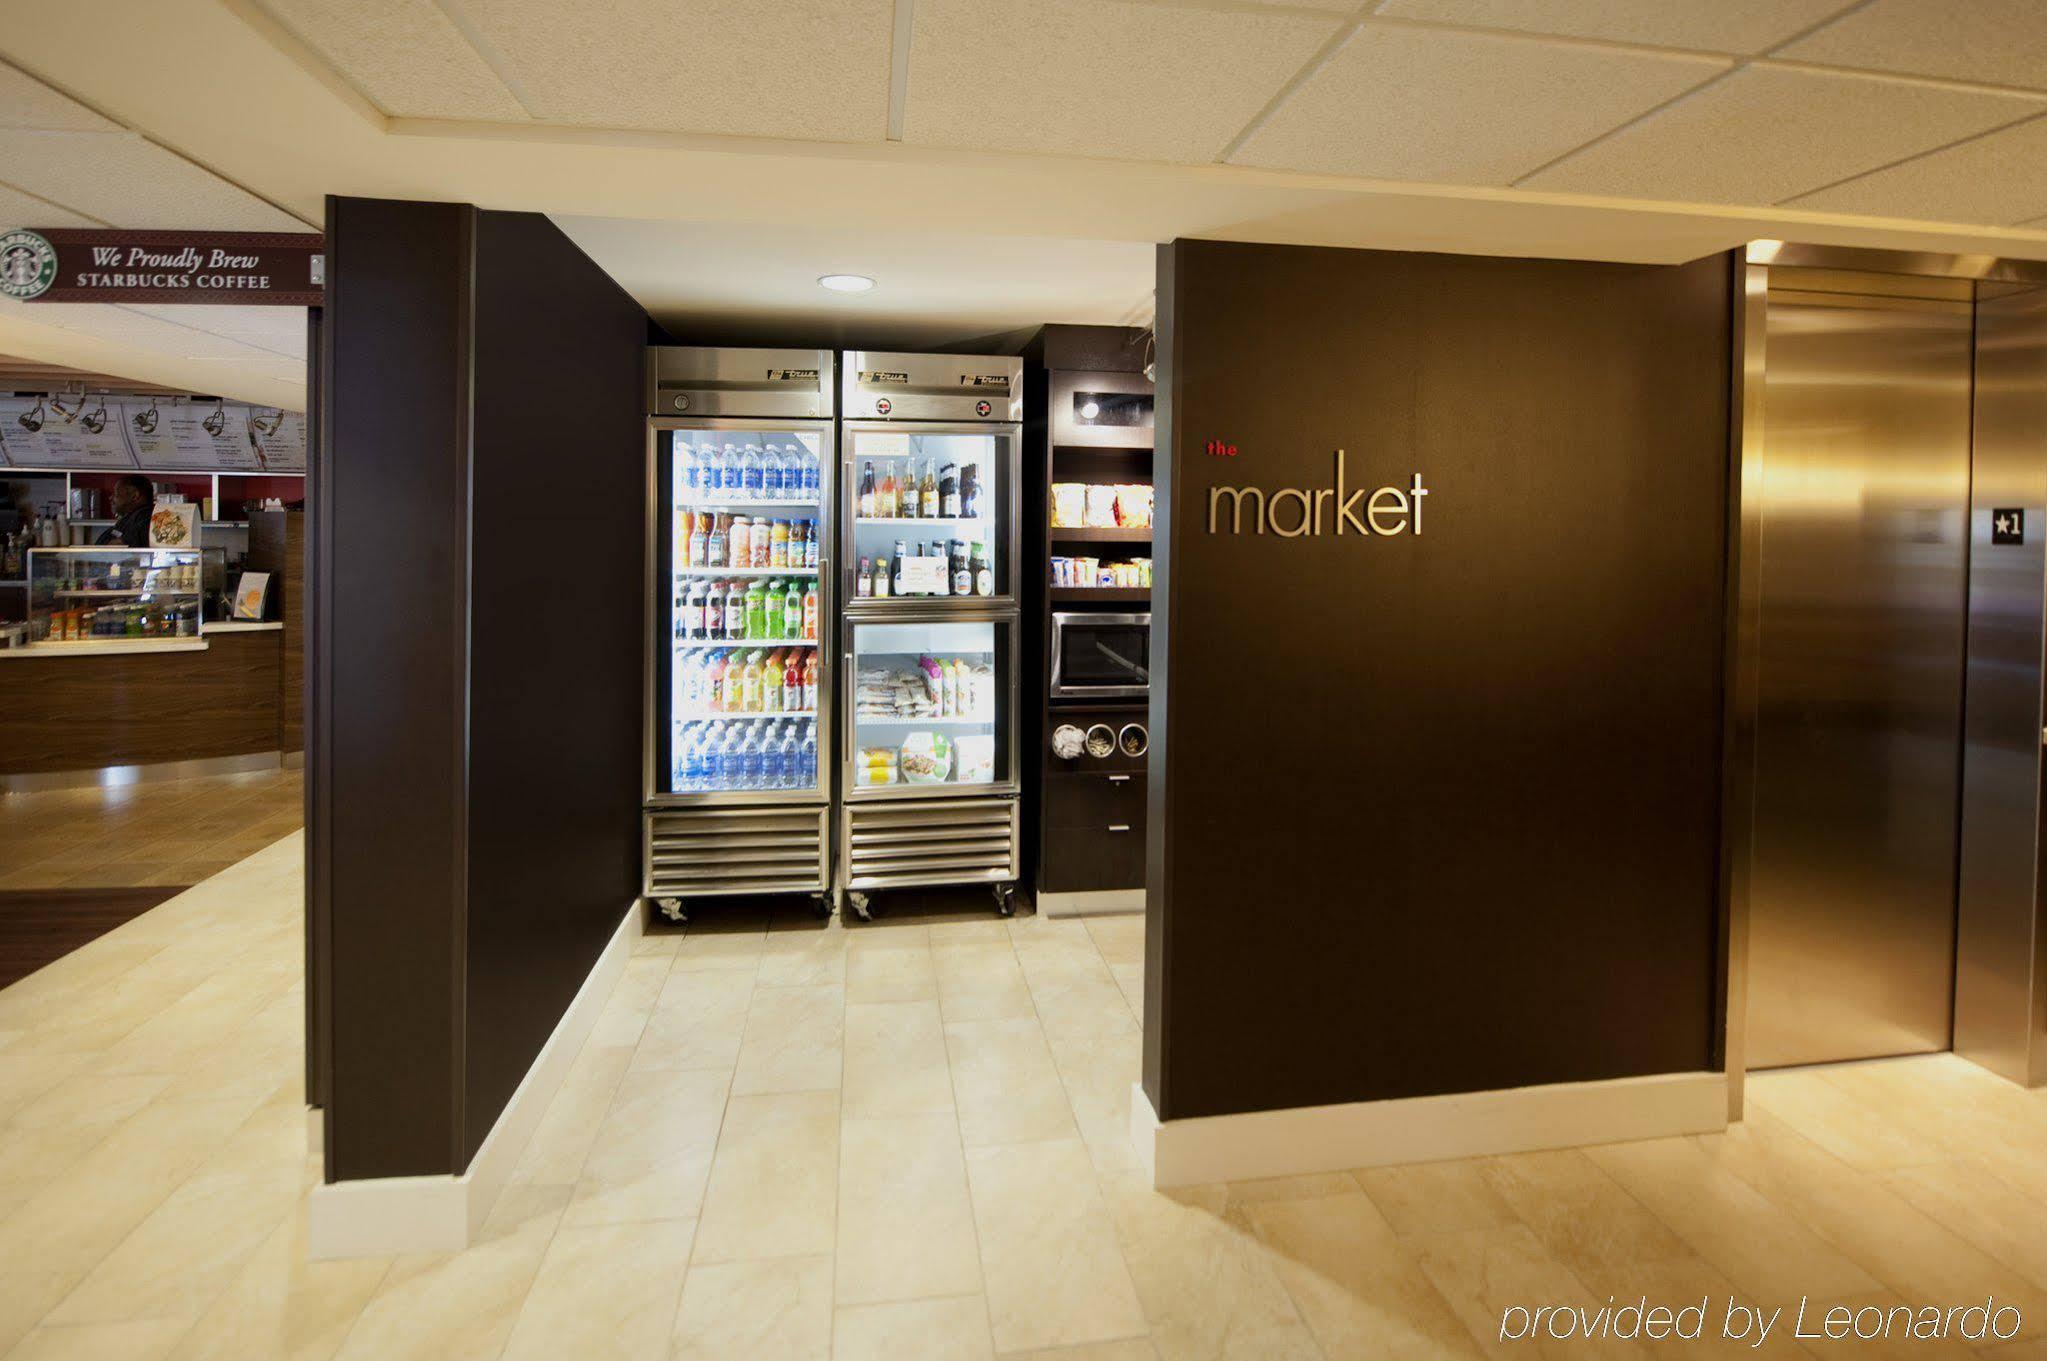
column 278, row 438
column 62, row 432
column 156, row 434
column 172, row 434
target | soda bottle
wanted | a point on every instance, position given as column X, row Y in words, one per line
column 810, row 608
column 863, row 585
column 793, row 613
column 771, row 473
column 735, row 611
column 689, row 619
column 731, row 472
column 753, row 614
column 810, row 682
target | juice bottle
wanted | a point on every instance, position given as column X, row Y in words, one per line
column 792, row 613
column 810, row 547
column 885, row 496
column 715, row 543
column 792, row 685
column 699, row 540
column 755, row 621
column 739, row 541
column 784, row 538
column 714, row 688
column 771, row 683
column 714, row 611
column 810, row 682
column 750, row 683
column 810, row 612
column 762, row 543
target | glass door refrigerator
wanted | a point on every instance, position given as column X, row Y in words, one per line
column 927, row 569
column 739, row 674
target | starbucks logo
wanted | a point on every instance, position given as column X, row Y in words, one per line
column 28, row 264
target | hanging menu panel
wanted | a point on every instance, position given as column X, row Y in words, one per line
column 175, row 435
column 62, row 432
column 277, row 437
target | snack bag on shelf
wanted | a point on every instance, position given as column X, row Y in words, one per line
column 1069, row 505
column 1133, row 506
column 1101, row 508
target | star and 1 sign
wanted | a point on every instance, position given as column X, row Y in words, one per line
column 2007, row 526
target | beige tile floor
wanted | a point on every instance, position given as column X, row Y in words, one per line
column 907, row 1141
column 171, row 832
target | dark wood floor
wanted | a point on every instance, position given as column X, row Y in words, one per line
column 41, row 926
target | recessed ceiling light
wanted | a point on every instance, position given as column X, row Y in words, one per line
column 847, row 283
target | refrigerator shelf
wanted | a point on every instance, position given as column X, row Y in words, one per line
column 745, row 642
column 906, row 720
column 721, row 715
column 749, row 503
column 800, row 572
column 927, row 520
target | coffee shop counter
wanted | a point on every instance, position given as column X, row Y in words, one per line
column 121, row 708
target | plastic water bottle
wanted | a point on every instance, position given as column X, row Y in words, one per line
column 731, row 472
column 811, row 475
column 753, row 763
column 691, row 762
column 806, row 759
column 792, row 761
column 751, row 471
column 771, row 473
column 774, row 769
column 731, row 763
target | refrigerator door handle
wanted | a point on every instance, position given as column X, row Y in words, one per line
column 1119, row 779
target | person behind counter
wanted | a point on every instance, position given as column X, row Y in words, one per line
column 134, row 499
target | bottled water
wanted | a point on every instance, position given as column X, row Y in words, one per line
column 731, row 472
column 772, row 474
column 774, row 769
column 792, row 762
column 688, row 471
column 806, row 760
column 751, row 766
column 731, row 763
column 812, row 474
column 752, row 471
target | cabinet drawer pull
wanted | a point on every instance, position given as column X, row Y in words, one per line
column 1119, row 779
column 1119, row 826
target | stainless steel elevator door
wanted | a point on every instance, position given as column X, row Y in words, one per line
column 1864, row 576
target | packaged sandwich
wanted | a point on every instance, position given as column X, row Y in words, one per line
column 926, row 758
column 976, row 758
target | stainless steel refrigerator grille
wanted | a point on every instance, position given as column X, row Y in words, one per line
column 736, row 850
column 936, row 841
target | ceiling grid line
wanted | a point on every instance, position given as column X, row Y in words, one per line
column 1741, row 64
column 899, row 67
column 484, row 49
column 283, row 35
column 60, row 207
column 1309, row 69
column 1921, row 155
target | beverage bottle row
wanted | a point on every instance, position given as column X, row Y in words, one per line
column 748, row 470
column 952, row 492
column 746, row 612
column 755, row 755
column 713, row 539
column 742, row 681
column 968, row 571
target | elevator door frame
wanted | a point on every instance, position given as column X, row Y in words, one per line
column 1985, row 276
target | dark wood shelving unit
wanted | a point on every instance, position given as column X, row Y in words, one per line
column 1092, row 595
column 1117, row 535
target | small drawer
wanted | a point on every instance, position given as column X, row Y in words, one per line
column 1083, row 859
column 1094, row 799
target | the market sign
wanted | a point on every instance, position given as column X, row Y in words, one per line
column 1387, row 511
column 75, row 264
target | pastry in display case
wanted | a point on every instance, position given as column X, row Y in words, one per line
column 101, row 594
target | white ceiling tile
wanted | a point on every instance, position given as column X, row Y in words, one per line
column 405, row 55
column 25, row 210
column 27, row 103
column 1999, row 178
column 814, row 69
column 275, row 330
column 122, row 179
column 1097, row 77
column 1461, row 108
column 1715, row 25
column 2001, row 42
column 1763, row 134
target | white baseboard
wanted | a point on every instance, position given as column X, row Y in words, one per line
column 382, row 1216
column 316, row 1131
column 1093, row 903
column 1306, row 1139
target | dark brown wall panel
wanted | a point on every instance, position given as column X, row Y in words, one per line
column 1443, row 809
column 558, row 535
column 392, row 685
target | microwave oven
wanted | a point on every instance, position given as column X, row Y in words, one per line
column 1099, row 656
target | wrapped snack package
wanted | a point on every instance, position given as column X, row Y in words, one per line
column 926, row 758
column 976, row 758
column 982, row 689
column 1133, row 506
column 877, row 765
column 1069, row 505
column 934, row 685
column 1101, row 508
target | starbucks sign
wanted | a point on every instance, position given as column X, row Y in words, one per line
column 28, row 264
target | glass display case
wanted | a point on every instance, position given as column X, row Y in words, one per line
column 930, row 514
column 111, row 593
column 930, row 706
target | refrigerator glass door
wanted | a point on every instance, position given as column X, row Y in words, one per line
column 930, row 514
column 930, row 708
column 745, row 616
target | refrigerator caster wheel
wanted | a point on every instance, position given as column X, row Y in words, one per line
column 860, row 906
column 821, row 903
column 671, row 908
column 1005, row 899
